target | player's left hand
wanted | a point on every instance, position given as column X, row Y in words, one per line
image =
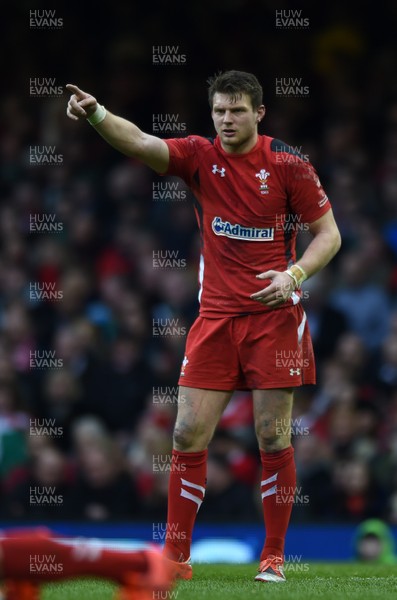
column 278, row 291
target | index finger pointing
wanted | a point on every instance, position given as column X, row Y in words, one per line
column 74, row 89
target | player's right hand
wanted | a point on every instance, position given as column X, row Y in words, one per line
column 81, row 105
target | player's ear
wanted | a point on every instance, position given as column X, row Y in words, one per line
column 261, row 110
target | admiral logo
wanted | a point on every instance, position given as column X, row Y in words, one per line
column 323, row 201
column 241, row 232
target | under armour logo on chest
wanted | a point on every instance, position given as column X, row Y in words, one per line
column 221, row 171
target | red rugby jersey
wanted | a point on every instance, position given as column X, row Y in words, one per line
column 248, row 208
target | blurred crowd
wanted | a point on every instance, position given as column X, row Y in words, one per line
column 87, row 385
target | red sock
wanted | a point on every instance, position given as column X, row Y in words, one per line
column 31, row 557
column 186, row 490
column 278, row 489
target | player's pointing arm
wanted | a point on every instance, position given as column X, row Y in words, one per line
column 119, row 133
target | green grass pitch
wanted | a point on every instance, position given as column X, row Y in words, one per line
column 347, row 581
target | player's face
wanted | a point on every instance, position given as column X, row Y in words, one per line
column 236, row 122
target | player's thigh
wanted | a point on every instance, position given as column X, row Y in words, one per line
column 199, row 411
column 211, row 360
column 272, row 415
column 276, row 350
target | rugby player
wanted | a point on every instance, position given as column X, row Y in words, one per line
column 30, row 558
column 252, row 195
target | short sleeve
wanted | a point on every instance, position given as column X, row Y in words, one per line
column 183, row 159
column 306, row 195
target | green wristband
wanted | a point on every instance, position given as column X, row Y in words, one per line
column 98, row 116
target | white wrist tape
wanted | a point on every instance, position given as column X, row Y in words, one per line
column 98, row 115
column 297, row 274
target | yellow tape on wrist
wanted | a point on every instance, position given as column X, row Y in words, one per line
column 297, row 274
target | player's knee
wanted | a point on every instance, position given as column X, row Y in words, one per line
column 274, row 444
column 186, row 438
column 270, row 439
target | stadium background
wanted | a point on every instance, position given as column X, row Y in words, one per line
column 116, row 325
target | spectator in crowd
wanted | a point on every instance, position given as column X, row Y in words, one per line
column 364, row 303
column 42, row 493
column 14, row 422
column 355, row 495
column 227, row 498
column 103, row 489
